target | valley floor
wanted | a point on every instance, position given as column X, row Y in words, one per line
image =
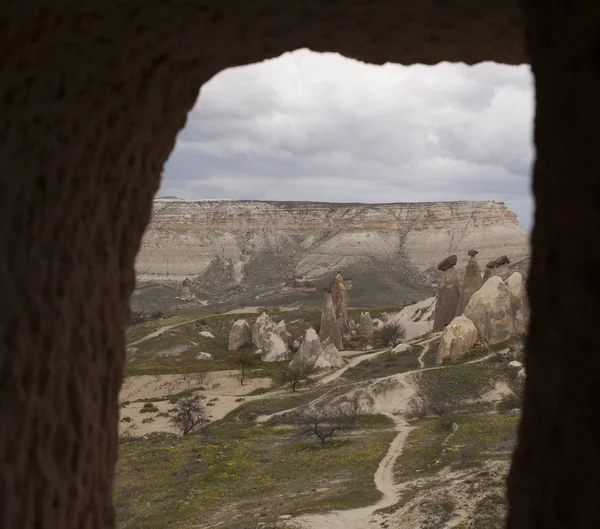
column 400, row 466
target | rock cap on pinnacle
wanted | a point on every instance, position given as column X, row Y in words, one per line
column 498, row 262
column 449, row 262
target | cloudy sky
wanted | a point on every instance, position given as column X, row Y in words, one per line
column 309, row 126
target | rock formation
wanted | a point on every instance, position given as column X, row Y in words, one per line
column 309, row 351
column 458, row 337
column 186, row 292
column 206, row 334
column 448, row 293
column 306, row 239
column 518, row 301
column 329, row 329
column 204, row 356
column 365, row 327
column 341, row 301
column 239, row 335
column 472, row 282
column 490, row 310
column 329, row 358
column 281, row 330
column 498, row 267
column 263, row 325
column 274, row 349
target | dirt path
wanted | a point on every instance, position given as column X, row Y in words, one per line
column 162, row 330
column 391, row 396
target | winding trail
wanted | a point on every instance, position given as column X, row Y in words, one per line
column 162, row 330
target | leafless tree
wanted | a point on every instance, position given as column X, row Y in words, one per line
column 323, row 422
column 188, row 414
column 193, row 378
column 422, row 404
column 243, row 361
column 295, row 374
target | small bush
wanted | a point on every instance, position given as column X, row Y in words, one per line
column 444, row 423
column 389, row 335
column 123, row 404
column 126, row 419
column 135, row 317
column 147, row 420
column 508, row 403
column 157, row 314
column 149, row 408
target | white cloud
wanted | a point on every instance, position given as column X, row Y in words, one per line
column 309, row 126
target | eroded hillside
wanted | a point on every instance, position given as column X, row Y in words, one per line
column 244, row 251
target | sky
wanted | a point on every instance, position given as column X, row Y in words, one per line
column 322, row 127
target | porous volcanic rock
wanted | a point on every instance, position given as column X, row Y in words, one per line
column 263, row 325
column 274, row 349
column 330, row 358
column 518, row 301
column 365, row 327
column 458, row 337
column 341, row 300
column 498, row 267
column 329, row 329
column 472, row 282
column 447, row 297
column 239, row 335
column 490, row 310
column 309, row 351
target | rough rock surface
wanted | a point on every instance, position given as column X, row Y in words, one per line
column 329, row 329
column 239, row 335
column 472, row 253
column 498, row 267
column 447, row 298
column 518, row 301
column 309, row 351
column 204, row 356
column 458, row 337
column 274, row 349
column 365, row 327
column 240, row 238
column 491, row 312
column 472, row 282
column 341, row 300
column 281, row 330
column 263, row 325
column 207, row 334
column 447, row 263
column 330, row 358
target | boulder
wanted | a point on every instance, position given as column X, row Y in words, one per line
column 447, row 263
column 329, row 329
column 401, row 348
column 365, row 327
column 447, row 297
column 274, row 349
column 490, row 310
column 472, row 282
column 458, row 337
column 330, row 358
column 518, row 301
column 204, row 356
column 239, row 335
column 206, row 334
column 309, row 351
column 516, row 364
column 262, row 326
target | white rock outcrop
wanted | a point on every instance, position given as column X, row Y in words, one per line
column 207, row 334
column 330, row 358
column 309, row 351
column 281, row 330
column 204, row 356
column 458, row 337
column 239, row 335
column 262, row 326
column 274, row 349
column 490, row 310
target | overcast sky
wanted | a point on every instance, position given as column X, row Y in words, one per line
column 310, row 126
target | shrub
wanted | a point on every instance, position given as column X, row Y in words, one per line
column 149, row 408
column 508, row 403
column 123, row 404
column 157, row 314
column 148, row 419
column 389, row 335
column 135, row 317
column 126, row 419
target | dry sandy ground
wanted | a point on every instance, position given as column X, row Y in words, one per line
column 222, row 393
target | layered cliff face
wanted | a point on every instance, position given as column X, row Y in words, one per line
column 389, row 250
